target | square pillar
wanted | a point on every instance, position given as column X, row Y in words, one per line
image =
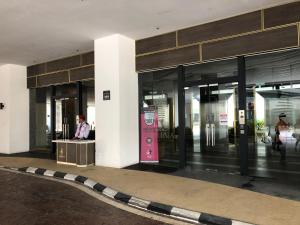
column 117, row 138
column 14, row 117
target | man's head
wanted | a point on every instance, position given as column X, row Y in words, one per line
column 81, row 118
column 281, row 116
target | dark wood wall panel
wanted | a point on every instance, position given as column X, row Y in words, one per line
column 219, row 29
column 31, row 82
column 36, row 69
column 53, row 78
column 80, row 67
column 258, row 42
column 156, row 43
column 82, row 73
column 263, row 30
column 168, row 58
column 283, row 14
column 63, row 64
column 87, row 59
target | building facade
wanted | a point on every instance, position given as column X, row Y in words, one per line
column 215, row 92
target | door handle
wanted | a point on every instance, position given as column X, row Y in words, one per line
column 207, row 132
column 213, row 134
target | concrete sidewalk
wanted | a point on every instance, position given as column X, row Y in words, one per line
column 186, row 193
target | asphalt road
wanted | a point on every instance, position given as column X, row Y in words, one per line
column 32, row 200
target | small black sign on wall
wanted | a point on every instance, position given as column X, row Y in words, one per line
column 106, row 95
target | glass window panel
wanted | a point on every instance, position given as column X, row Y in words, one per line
column 40, row 118
column 159, row 91
column 212, row 70
column 273, row 82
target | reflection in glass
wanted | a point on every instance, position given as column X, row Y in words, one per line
column 273, row 91
column 88, row 102
column 211, row 119
column 40, row 119
column 159, row 91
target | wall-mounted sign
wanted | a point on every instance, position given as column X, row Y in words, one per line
column 149, row 136
column 223, row 118
column 242, row 117
column 106, row 95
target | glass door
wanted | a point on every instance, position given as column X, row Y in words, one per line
column 65, row 117
column 211, row 114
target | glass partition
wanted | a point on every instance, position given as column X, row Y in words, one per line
column 211, row 71
column 273, row 99
column 40, row 118
column 159, row 93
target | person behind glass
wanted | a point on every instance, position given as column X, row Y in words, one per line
column 280, row 139
column 83, row 129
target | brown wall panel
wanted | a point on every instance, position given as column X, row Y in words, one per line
column 82, row 73
column 227, row 27
column 61, row 152
column 168, row 58
column 91, row 153
column 156, row 43
column 258, row 42
column 31, row 82
column 87, row 58
column 36, row 69
column 63, row 64
column 71, row 153
column 53, row 78
column 283, row 14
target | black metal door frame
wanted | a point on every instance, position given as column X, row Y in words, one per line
column 241, row 79
column 54, row 97
column 243, row 129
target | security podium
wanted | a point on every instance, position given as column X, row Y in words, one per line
column 80, row 153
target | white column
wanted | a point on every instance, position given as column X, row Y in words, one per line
column 116, row 119
column 14, row 118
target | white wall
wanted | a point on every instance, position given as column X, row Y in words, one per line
column 14, row 118
column 117, row 119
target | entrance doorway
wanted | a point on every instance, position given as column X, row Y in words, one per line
column 211, row 121
column 65, row 116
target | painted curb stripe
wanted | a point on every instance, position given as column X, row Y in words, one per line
column 49, row 173
column 160, row 208
column 185, row 213
column 156, row 207
column 70, row 177
column 59, row 174
column 99, row 187
column 23, row 169
column 81, row 179
column 216, row 220
column 122, row 197
column 90, row 183
column 31, row 170
column 234, row 222
column 109, row 192
column 40, row 171
column 139, row 202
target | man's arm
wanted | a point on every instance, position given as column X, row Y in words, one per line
column 86, row 131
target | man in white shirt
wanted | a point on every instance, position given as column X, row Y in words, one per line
column 83, row 129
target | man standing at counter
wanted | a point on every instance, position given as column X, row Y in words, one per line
column 83, row 129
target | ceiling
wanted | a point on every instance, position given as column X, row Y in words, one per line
column 37, row 31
